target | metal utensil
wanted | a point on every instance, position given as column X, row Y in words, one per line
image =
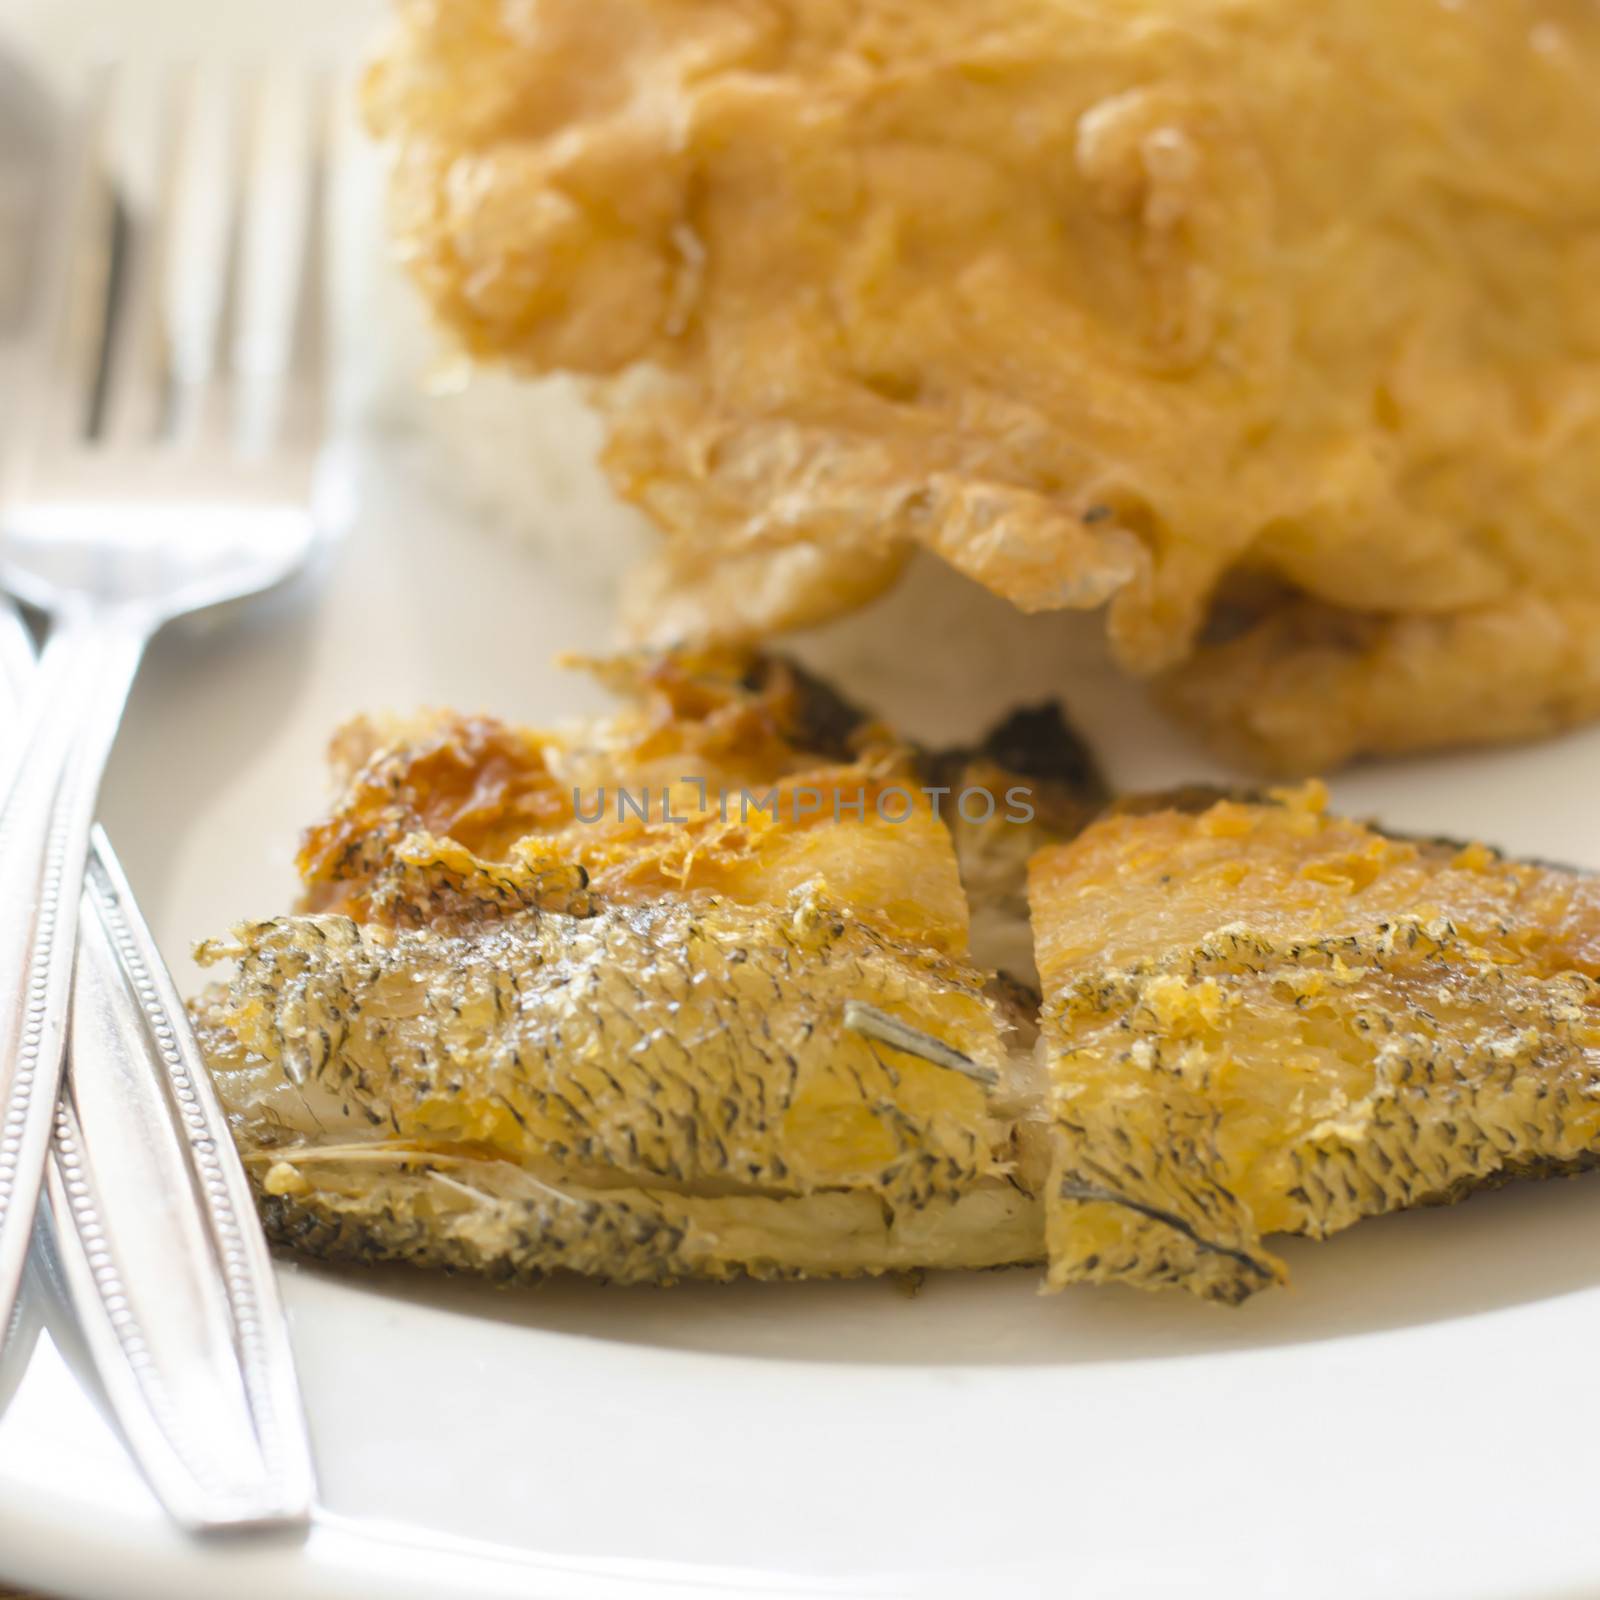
column 149, row 1235
column 158, row 474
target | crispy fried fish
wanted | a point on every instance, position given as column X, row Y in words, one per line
column 771, row 779
column 516, row 1029
column 687, row 1087
column 1134, row 305
column 726, row 772
column 506, row 1039
column 1260, row 1018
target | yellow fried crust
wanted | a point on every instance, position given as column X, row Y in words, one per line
column 728, row 773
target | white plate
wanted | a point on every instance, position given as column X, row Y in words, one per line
column 1410, row 1419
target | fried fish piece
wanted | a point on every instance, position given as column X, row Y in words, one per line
column 512, row 1033
column 1104, row 303
column 683, row 1087
column 1260, row 1018
column 727, row 772
column 758, row 779
column 650, row 1049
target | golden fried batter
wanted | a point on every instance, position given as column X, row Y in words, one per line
column 1103, row 301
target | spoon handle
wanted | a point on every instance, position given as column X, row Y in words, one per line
column 66, row 724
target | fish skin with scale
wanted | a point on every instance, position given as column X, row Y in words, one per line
column 500, row 1044
column 1259, row 1018
column 649, row 1092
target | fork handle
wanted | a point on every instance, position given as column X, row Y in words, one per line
column 156, row 1242
column 67, row 723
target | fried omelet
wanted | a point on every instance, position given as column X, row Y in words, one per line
column 1268, row 325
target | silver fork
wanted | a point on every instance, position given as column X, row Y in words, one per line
column 167, row 466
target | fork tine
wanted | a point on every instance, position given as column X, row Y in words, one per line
column 203, row 245
column 67, row 312
column 138, row 360
column 280, row 243
column 183, row 306
column 305, row 387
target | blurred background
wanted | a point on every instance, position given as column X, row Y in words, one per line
column 58, row 33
